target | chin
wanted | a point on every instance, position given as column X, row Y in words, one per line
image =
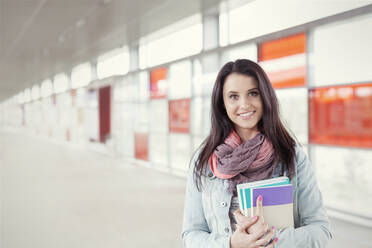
column 248, row 126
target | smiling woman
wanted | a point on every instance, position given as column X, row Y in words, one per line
column 243, row 104
column 248, row 142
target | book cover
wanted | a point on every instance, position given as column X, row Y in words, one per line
column 277, row 204
column 244, row 191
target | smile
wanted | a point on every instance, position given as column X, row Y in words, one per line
column 247, row 114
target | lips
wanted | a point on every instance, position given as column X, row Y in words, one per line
column 246, row 114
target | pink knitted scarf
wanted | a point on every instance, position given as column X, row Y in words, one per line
column 242, row 162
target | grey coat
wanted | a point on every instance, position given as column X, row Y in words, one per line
column 206, row 220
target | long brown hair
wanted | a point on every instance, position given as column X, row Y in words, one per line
column 270, row 124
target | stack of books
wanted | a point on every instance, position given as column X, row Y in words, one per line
column 277, row 202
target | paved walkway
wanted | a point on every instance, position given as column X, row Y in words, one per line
column 53, row 196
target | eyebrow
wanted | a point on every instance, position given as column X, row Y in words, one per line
column 231, row 91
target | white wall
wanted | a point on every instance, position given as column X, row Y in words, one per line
column 341, row 52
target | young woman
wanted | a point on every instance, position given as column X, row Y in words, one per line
column 248, row 142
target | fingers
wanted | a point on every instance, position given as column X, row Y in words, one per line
column 259, row 211
column 242, row 226
column 270, row 245
column 266, row 239
column 239, row 217
column 260, row 232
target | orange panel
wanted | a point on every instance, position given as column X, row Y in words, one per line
column 141, row 146
column 294, row 77
column 179, row 116
column 157, row 76
column 287, row 46
column 341, row 115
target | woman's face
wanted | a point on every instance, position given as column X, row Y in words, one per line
column 243, row 104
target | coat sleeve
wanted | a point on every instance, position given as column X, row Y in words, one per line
column 195, row 230
column 313, row 230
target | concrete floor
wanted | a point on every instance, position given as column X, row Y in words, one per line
column 58, row 196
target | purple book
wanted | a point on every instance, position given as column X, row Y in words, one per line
column 277, row 204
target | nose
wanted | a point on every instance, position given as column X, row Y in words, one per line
column 244, row 103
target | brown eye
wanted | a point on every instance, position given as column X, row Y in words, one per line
column 233, row 97
column 253, row 93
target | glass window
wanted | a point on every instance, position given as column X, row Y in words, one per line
column 284, row 60
column 223, row 28
column 27, row 95
column 179, row 151
column 206, row 115
column 179, row 116
column 180, row 80
column 159, row 115
column 81, row 75
column 141, row 144
column 341, row 115
column 142, row 53
column 196, row 142
column 185, row 37
column 81, row 95
column 242, row 52
column 237, row 18
column 119, row 91
column 144, row 86
column 197, row 68
column 129, row 144
column 141, row 117
column 60, row 83
column 341, row 52
column 293, row 110
column 21, row 98
column 159, row 149
column 158, row 82
column 203, row 84
column 339, row 165
column 128, row 113
column 46, row 88
column 115, row 62
column 259, row 18
column 35, row 92
column 197, row 116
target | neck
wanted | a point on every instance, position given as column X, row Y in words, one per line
column 246, row 134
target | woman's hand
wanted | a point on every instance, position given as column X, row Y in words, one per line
column 241, row 239
column 258, row 228
column 260, row 224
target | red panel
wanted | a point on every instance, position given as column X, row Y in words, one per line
column 341, row 115
column 179, row 116
column 141, row 146
column 157, row 79
column 294, row 77
column 287, row 46
column 104, row 113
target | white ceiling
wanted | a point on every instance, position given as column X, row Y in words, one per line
column 40, row 38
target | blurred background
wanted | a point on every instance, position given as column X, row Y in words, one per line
column 103, row 102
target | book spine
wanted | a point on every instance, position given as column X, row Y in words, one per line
column 252, row 203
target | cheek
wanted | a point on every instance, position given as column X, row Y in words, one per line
column 258, row 104
column 230, row 109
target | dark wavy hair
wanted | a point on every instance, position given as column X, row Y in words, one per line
column 270, row 124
